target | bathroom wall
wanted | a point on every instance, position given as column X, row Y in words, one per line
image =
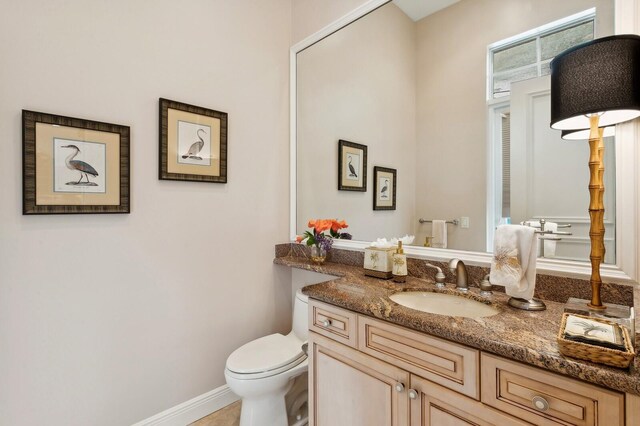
column 451, row 107
column 110, row 319
column 358, row 85
column 309, row 16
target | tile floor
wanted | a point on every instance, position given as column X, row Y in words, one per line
column 228, row 416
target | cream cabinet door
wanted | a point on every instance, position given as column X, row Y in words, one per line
column 434, row 405
column 348, row 388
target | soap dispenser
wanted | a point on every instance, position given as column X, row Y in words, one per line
column 399, row 265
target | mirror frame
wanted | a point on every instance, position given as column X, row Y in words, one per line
column 627, row 267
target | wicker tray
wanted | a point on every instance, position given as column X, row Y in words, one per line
column 598, row 354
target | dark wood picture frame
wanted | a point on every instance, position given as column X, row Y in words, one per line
column 377, row 203
column 347, row 170
column 40, row 169
column 169, row 163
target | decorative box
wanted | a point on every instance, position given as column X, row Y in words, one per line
column 378, row 262
column 601, row 355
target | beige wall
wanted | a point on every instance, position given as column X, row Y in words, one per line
column 109, row 319
column 310, row 16
column 359, row 85
column 451, row 107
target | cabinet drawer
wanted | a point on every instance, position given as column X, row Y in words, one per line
column 448, row 364
column 333, row 322
column 545, row 398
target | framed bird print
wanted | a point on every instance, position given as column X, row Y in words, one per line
column 193, row 143
column 384, row 188
column 72, row 165
column 352, row 166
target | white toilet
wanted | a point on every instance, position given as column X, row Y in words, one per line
column 262, row 371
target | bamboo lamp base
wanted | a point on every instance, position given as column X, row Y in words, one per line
column 596, row 210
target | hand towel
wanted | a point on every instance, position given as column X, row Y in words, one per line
column 548, row 244
column 513, row 265
column 439, row 232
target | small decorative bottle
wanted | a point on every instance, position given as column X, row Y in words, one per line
column 399, row 265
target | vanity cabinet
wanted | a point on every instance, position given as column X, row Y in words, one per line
column 434, row 405
column 363, row 371
column 335, row 323
column 440, row 361
column 545, row 398
column 353, row 389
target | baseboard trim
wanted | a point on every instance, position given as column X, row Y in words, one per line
column 193, row 409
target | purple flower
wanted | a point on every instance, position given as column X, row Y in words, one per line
column 324, row 242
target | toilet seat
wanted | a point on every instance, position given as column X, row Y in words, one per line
column 266, row 356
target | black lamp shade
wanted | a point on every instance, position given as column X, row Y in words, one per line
column 583, row 134
column 598, row 77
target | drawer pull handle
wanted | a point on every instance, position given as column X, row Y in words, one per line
column 399, row 387
column 326, row 322
column 539, row 403
column 413, row 394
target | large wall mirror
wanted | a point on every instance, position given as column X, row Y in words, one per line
column 454, row 96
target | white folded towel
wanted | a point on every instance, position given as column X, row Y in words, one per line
column 439, row 233
column 513, row 265
column 548, row 244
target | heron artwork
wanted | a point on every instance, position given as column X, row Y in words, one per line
column 195, row 147
column 85, row 169
column 352, row 170
column 385, row 188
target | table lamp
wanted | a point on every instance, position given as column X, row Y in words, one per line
column 583, row 134
column 595, row 85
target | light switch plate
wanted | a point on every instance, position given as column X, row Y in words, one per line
column 464, row 222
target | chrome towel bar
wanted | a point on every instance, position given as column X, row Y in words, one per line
column 453, row 221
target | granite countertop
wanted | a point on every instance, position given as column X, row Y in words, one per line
column 529, row 337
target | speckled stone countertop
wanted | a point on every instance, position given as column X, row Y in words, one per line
column 529, row 337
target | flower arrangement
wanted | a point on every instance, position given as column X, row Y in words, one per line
column 316, row 237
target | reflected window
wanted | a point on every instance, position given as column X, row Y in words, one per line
column 505, row 135
column 528, row 55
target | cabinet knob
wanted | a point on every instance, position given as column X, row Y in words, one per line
column 399, row 387
column 413, row 394
column 326, row 322
column 539, row 403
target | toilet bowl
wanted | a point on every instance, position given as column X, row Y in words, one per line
column 262, row 371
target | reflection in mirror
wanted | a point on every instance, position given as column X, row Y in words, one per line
column 457, row 102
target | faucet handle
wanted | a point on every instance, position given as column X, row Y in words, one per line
column 485, row 286
column 440, row 276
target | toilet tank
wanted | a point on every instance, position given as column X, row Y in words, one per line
column 300, row 316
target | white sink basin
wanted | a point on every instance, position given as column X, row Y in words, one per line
column 443, row 304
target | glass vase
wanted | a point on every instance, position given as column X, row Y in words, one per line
column 318, row 254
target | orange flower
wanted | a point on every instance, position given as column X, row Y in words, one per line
column 322, row 225
column 299, row 238
column 336, row 226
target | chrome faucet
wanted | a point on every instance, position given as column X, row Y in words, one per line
column 457, row 266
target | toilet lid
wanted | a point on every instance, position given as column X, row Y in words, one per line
column 265, row 354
